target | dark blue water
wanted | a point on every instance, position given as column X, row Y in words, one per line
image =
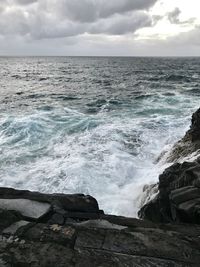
column 92, row 125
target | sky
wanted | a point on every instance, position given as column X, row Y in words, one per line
column 100, row 27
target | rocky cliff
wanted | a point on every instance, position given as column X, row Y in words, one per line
column 178, row 199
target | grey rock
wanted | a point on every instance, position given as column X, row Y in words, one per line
column 8, row 217
column 96, row 239
column 93, row 258
column 12, row 229
column 57, row 219
column 3, row 263
column 179, row 195
column 190, row 143
column 103, row 224
column 67, row 202
column 27, row 208
column 178, row 199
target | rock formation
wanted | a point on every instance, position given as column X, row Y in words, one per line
column 190, row 143
column 179, row 195
column 179, row 185
column 70, row 230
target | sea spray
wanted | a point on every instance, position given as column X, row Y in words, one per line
column 98, row 131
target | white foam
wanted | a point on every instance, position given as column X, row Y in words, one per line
column 109, row 156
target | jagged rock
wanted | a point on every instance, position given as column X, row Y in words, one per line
column 179, row 195
column 178, row 199
column 194, row 132
column 149, row 193
column 190, row 143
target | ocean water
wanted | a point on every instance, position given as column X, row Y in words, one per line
column 93, row 125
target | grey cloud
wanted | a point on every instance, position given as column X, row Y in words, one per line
column 65, row 18
column 108, row 8
column 91, row 10
column 3, row 5
column 25, row 2
column 174, row 17
column 117, row 25
column 191, row 37
column 120, row 25
column 53, row 29
column 19, row 26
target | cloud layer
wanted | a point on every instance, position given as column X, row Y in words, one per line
column 40, row 19
column 85, row 26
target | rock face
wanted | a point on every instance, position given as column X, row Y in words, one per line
column 190, row 143
column 179, row 195
column 179, row 186
column 65, row 236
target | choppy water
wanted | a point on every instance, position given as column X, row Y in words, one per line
column 92, row 125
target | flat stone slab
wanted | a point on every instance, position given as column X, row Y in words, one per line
column 27, row 208
column 103, row 224
column 12, row 229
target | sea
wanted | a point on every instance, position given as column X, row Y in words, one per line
column 93, row 125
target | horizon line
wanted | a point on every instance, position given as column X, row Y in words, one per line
column 121, row 56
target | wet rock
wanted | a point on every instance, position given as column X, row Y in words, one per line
column 194, row 132
column 12, row 229
column 179, row 195
column 57, row 219
column 103, row 224
column 149, row 192
column 27, row 208
column 3, row 263
column 93, row 258
column 76, row 202
column 190, row 143
column 7, row 218
column 81, row 237
column 178, row 199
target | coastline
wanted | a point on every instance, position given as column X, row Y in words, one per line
column 70, row 230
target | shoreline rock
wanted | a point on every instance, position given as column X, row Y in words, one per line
column 190, row 143
column 178, row 199
column 88, row 237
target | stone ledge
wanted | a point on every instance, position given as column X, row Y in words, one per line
column 83, row 238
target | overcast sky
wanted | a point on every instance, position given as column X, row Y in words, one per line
column 100, row 27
